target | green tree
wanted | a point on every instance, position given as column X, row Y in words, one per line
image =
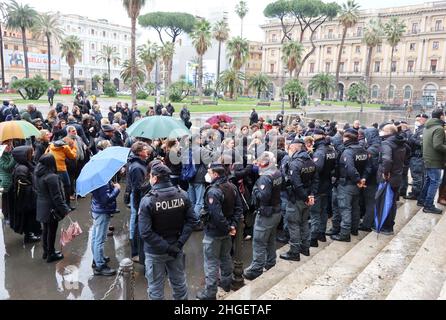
column 127, row 70
column 21, row 17
column 241, row 9
column 237, row 52
column 31, row 88
column 295, row 92
column 281, row 10
column 48, row 27
column 394, row 30
column 180, row 90
column 148, row 54
column 322, row 83
column 373, row 35
column 107, row 54
column 231, row 81
column 348, row 17
column 357, row 92
column 97, row 79
column 201, row 39
column 56, row 84
column 150, row 87
column 71, row 50
column 260, row 83
column 221, row 34
column 167, row 52
column 292, row 52
column 133, row 8
column 110, row 89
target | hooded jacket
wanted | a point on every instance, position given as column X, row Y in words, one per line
column 49, row 189
column 392, row 156
column 7, row 164
column 61, row 151
column 137, row 171
column 434, row 147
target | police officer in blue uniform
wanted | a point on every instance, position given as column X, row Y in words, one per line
column 222, row 212
column 353, row 169
column 324, row 157
column 302, row 184
column 266, row 195
column 166, row 221
column 416, row 160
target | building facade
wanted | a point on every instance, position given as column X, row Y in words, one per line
column 418, row 67
column 14, row 57
column 254, row 65
column 94, row 35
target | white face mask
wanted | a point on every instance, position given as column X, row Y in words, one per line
column 208, row 178
column 417, row 124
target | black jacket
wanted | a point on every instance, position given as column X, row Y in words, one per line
column 302, row 175
column 253, row 118
column 373, row 146
column 39, row 150
column 393, row 155
column 324, row 158
column 49, row 189
column 137, row 171
column 415, row 142
column 354, row 163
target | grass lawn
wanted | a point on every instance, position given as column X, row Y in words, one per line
column 351, row 104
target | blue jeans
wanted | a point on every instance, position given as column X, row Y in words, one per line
column 156, row 268
column 196, row 196
column 298, row 226
column 319, row 216
column 264, row 244
column 348, row 201
column 432, row 180
column 133, row 228
column 217, row 255
column 99, row 235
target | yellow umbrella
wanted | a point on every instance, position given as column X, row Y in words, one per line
column 17, row 130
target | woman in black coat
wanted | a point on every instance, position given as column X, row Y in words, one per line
column 50, row 197
column 42, row 144
column 23, row 215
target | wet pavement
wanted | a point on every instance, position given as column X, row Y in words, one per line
column 24, row 275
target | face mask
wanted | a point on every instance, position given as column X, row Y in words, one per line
column 417, row 124
column 208, row 178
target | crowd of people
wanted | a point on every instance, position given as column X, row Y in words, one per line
column 271, row 180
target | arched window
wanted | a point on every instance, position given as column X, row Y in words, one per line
column 392, row 92
column 375, row 92
column 407, row 92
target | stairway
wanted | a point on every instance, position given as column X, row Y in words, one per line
column 411, row 264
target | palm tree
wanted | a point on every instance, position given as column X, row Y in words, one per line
column 21, row 17
column 241, row 9
column 127, row 69
column 260, row 83
column 373, row 35
column 238, row 52
column 322, row 83
column 148, row 54
column 133, row 8
column 201, row 39
column 3, row 18
column 221, row 34
column 71, row 49
column 349, row 16
column 107, row 54
column 48, row 27
column 394, row 30
column 292, row 55
column 167, row 52
column 231, row 81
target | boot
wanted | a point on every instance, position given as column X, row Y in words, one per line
column 342, row 238
column 314, row 243
column 442, row 195
column 290, row 256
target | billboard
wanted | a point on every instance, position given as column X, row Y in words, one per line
column 209, row 71
column 38, row 61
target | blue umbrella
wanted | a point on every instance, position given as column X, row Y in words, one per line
column 383, row 205
column 101, row 169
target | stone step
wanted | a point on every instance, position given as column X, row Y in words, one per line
column 426, row 274
column 254, row 289
column 305, row 273
column 341, row 274
column 377, row 280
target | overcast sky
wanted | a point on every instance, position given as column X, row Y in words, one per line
column 112, row 10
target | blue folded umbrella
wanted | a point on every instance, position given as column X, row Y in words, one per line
column 100, row 169
column 383, row 204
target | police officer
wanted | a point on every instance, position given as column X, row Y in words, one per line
column 324, row 157
column 266, row 193
column 166, row 220
column 416, row 160
column 302, row 183
column 353, row 170
column 222, row 212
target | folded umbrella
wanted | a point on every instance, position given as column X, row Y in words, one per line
column 157, row 127
column 73, row 230
column 100, row 169
column 383, row 204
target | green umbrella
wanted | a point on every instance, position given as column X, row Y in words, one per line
column 156, row 127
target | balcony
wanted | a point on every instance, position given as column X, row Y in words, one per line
column 437, row 29
column 414, row 32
